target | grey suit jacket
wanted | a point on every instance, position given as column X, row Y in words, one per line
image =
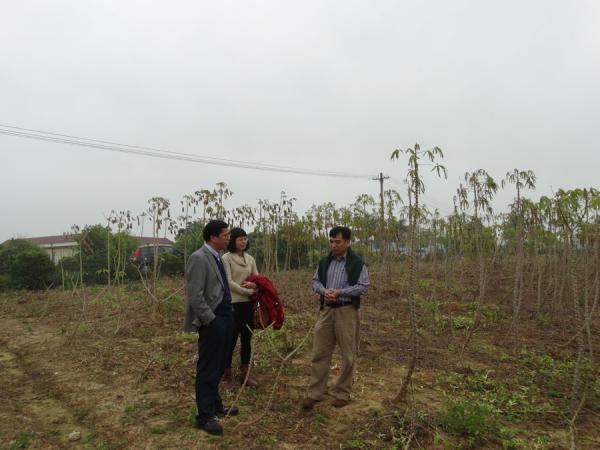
column 204, row 289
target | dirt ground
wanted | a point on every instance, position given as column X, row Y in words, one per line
column 112, row 365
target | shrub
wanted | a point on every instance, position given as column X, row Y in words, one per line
column 32, row 269
column 132, row 272
column 9, row 252
column 94, row 246
column 170, row 265
column 25, row 266
column 70, row 263
column 4, row 282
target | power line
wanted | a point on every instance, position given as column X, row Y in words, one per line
column 59, row 138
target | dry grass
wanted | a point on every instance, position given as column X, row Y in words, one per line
column 114, row 366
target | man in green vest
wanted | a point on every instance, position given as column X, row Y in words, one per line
column 340, row 279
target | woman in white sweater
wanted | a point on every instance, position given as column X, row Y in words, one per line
column 239, row 265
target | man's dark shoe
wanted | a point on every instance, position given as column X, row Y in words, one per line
column 339, row 402
column 225, row 410
column 308, row 403
column 211, row 426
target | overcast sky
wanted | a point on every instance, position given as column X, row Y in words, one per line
column 331, row 85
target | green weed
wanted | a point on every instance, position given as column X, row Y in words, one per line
column 192, row 413
column 317, row 421
column 463, row 323
column 513, row 401
column 175, row 416
column 91, row 437
column 468, row 419
column 22, row 441
column 292, row 371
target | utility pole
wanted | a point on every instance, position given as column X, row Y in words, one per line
column 380, row 178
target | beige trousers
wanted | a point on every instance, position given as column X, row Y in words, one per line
column 335, row 325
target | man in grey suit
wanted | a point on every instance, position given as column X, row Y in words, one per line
column 208, row 311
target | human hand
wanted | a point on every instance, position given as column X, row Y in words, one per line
column 248, row 285
column 331, row 295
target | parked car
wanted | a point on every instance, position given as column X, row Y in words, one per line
column 143, row 255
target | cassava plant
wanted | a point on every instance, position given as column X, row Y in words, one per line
column 522, row 179
column 416, row 186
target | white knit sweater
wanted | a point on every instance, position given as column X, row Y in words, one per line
column 238, row 269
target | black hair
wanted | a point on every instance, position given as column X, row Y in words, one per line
column 236, row 233
column 344, row 231
column 213, row 228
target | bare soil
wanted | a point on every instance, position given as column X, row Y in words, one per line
column 113, row 365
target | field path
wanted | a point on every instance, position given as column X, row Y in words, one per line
column 46, row 395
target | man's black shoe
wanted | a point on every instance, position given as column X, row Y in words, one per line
column 211, row 426
column 231, row 410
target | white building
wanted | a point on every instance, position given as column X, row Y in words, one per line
column 57, row 246
column 60, row 246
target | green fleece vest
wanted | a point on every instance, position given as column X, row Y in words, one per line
column 353, row 267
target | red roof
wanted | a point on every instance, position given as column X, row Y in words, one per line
column 50, row 240
column 60, row 239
